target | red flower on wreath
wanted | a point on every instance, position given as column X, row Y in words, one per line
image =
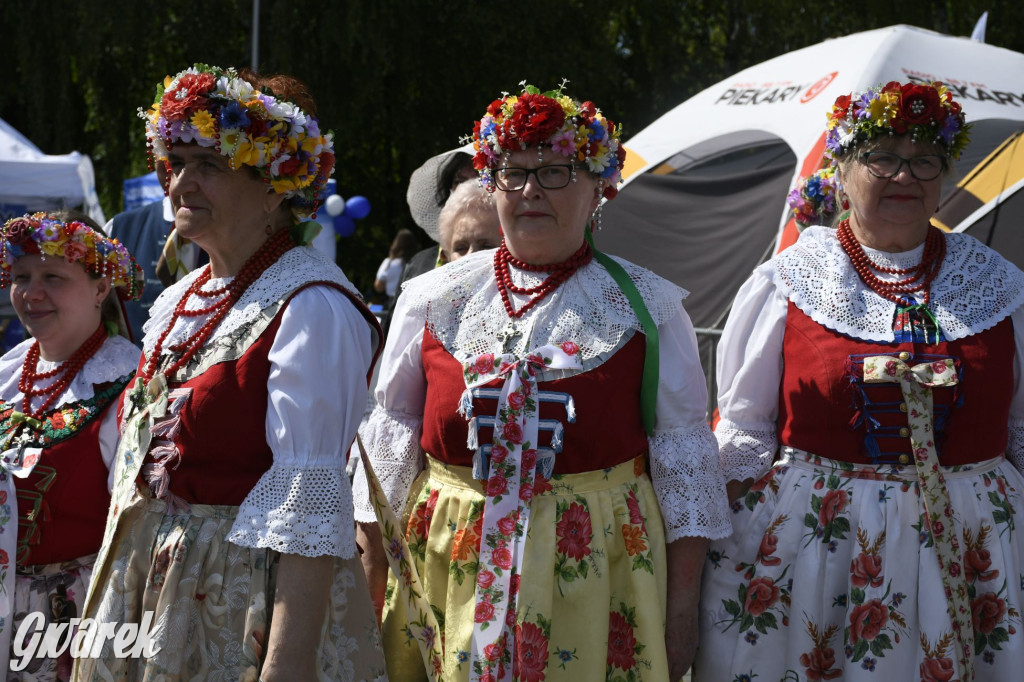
column 531, row 652
column 621, row 642
column 574, row 532
column 920, row 104
column 535, row 118
column 189, row 95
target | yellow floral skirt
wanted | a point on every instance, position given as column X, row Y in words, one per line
column 593, row 588
column 212, row 601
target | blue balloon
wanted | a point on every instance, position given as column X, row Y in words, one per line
column 343, row 225
column 357, row 207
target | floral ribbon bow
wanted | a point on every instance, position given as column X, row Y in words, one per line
column 916, row 382
column 508, row 490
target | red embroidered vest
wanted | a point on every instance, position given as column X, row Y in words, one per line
column 607, row 431
column 826, row 408
column 62, row 504
column 222, row 443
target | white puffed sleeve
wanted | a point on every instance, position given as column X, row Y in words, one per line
column 749, row 375
column 392, row 432
column 1015, row 443
column 684, row 456
column 316, row 396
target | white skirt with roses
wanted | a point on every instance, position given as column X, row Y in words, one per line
column 830, row 575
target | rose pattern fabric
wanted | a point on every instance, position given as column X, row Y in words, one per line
column 561, row 633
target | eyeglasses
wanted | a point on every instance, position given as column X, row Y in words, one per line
column 889, row 165
column 555, row 176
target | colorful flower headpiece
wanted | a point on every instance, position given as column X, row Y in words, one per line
column 39, row 234
column 927, row 112
column 212, row 107
column 553, row 119
column 813, row 200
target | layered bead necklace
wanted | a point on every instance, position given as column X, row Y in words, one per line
column 272, row 249
column 65, row 371
column 558, row 273
column 917, row 278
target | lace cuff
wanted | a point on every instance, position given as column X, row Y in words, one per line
column 392, row 441
column 746, row 452
column 1015, row 444
column 295, row 510
column 688, row 483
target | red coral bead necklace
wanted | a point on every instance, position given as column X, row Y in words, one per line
column 66, row 371
column 559, row 272
column 918, row 278
column 268, row 254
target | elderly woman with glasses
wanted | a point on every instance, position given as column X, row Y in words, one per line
column 525, row 394
column 873, row 427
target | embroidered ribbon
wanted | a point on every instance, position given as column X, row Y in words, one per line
column 508, row 491
column 424, row 629
column 20, row 462
column 906, row 332
column 916, row 383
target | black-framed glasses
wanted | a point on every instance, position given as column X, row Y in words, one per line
column 555, row 176
column 888, row 165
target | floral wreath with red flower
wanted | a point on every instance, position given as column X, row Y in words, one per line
column 926, row 112
column 575, row 130
column 213, row 107
column 39, row 234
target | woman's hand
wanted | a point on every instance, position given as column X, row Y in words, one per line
column 685, row 563
column 300, row 602
column 375, row 563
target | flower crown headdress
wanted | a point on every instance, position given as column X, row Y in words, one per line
column 577, row 131
column 39, row 234
column 216, row 108
column 813, row 200
column 927, row 112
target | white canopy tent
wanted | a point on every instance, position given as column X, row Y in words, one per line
column 705, row 185
column 33, row 181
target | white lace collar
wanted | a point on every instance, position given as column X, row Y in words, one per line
column 464, row 310
column 975, row 289
column 116, row 358
column 298, row 266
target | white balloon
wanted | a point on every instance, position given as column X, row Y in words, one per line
column 335, row 205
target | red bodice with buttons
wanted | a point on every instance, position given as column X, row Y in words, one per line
column 825, row 408
column 606, row 395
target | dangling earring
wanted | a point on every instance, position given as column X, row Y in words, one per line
column 595, row 220
column 845, row 203
column 269, row 229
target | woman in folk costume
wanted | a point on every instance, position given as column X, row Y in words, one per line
column 231, row 518
column 58, row 425
column 871, row 402
column 525, row 394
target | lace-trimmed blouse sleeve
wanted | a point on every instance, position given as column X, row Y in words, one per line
column 316, row 394
column 749, row 375
column 392, row 432
column 684, row 457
